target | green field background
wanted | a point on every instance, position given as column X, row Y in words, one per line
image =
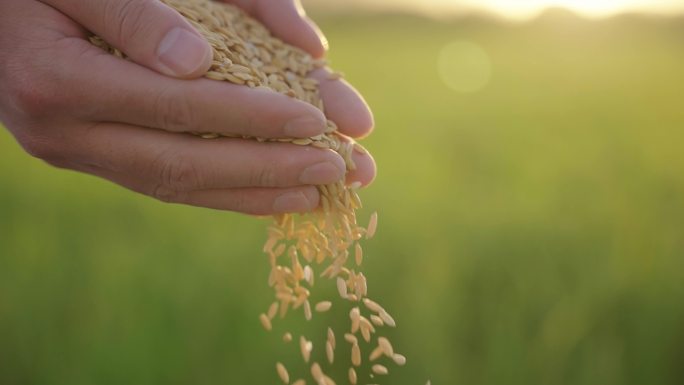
column 530, row 233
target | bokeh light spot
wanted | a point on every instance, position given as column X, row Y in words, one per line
column 464, row 66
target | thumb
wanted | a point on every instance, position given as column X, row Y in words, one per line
column 149, row 32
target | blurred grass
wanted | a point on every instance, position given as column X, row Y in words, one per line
column 530, row 233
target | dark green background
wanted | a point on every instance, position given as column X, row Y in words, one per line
column 530, row 233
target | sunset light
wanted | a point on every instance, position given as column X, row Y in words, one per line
column 516, row 9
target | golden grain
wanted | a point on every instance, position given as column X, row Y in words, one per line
column 351, row 338
column 305, row 347
column 355, row 316
column 376, row 353
column 331, row 338
column 386, row 346
column 399, row 359
column 389, row 321
column 272, row 310
column 379, row 369
column 330, row 352
column 358, row 254
column 352, row 376
column 377, row 321
column 323, row 306
column 282, row 373
column 356, row 355
column 372, row 305
column 316, row 372
column 372, row 226
column 342, row 288
column 265, row 322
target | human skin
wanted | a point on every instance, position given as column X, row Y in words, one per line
column 74, row 106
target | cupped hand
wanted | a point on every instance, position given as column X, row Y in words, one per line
column 77, row 107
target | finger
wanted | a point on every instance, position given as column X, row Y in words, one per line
column 365, row 171
column 257, row 201
column 120, row 91
column 344, row 105
column 165, row 164
column 287, row 20
column 253, row 201
column 149, row 32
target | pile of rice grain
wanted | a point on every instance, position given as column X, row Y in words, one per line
column 300, row 248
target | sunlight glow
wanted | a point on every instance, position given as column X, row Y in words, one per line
column 516, row 9
column 522, row 8
column 464, row 66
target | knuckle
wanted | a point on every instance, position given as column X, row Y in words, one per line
column 130, row 20
column 265, row 176
column 167, row 194
column 47, row 83
column 174, row 112
column 32, row 97
column 177, row 176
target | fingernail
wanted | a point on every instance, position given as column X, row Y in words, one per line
column 292, row 202
column 321, row 173
column 304, row 127
column 182, row 52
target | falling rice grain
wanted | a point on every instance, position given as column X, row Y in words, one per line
column 323, row 306
column 389, row 321
column 342, row 287
column 372, row 305
column 351, row 338
column 308, row 275
column 355, row 316
column 372, row 225
column 356, row 355
column 377, row 321
column 331, row 338
column 306, row 347
column 317, row 372
column 272, row 310
column 330, row 352
column 282, row 373
column 280, row 250
column 265, row 322
column 307, row 311
column 358, row 254
column 287, row 337
column 379, row 369
column 365, row 332
column 386, row 346
column 376, row 353
column 399, row 359
column 352, row 376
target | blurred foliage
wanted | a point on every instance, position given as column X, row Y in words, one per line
column 530, row 233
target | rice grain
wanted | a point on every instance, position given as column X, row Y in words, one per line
column 265, row 322
column 323, row 306
column 352, row 376
column 379, row 369
column 282, row 373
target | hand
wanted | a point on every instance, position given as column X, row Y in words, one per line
column 74, row 106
